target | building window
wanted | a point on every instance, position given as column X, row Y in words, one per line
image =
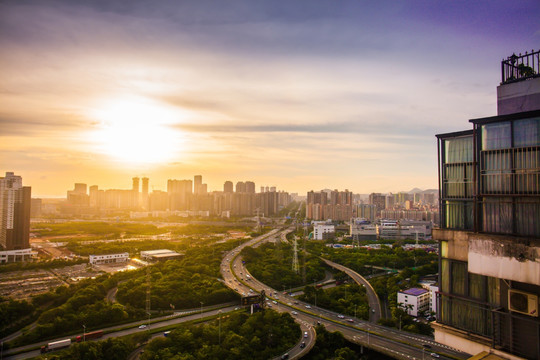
column 445, row 275
column 459, row 150
column 459, row 278
column 477, row 286
column 497, row 215
column 459, row 214
column 496, row 136
column 527, row 132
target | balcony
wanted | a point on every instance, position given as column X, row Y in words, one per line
column 520, row 67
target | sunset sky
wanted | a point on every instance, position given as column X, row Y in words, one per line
column 301, row 95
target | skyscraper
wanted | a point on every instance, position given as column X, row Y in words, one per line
column 240, row 187
column 489, row 260
column 144, row 193
column 228, row 187
column 197, row 184
column 15, row 201
column 250, row 187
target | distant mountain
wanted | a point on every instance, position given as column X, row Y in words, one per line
column 417, row 190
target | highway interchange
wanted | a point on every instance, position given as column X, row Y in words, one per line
column 392, row 342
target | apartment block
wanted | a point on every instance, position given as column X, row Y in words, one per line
column 489, row 193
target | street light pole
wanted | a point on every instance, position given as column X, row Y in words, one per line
column 84, row 333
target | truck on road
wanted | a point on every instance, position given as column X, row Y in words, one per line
column 89, row 336
column 56, row 345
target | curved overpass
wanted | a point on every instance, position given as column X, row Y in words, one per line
column 373, row 298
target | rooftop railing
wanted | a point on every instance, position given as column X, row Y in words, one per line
column 520, row 67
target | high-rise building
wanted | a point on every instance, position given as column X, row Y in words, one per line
column 250, row 187
column 15, row 201
column 228, row 187
column 379, row 200
column 197, row 184
column 489, row 261
column 180, row 192
column 144, row 193
column 78, row 196
column 135, row 187
column 240, row 187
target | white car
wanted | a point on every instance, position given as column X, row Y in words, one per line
column 341, row 316
column 142, row 326
column 308, row 306
column 294, row 313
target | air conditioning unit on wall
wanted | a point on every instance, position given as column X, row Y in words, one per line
column 523, row 303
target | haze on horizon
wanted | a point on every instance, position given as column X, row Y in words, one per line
column 299, row 95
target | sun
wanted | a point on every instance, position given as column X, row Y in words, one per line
column 137, row 131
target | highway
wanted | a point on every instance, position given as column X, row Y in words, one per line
column 129, row 329
column 390, row 341
column 373, row 298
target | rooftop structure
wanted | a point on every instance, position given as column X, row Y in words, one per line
column 160, row 255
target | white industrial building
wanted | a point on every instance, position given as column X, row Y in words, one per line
column 414, row 301
column 109, row 258
column 9, row 256
column 322, row 232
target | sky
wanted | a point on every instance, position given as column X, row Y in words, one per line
column 302, row 95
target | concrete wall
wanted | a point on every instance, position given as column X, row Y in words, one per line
column 518, row 97
column 504, row 258
column 458, row 243
column 464, row 342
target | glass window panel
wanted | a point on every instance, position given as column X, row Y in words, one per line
column 477, row 286
column 497, row 215
column 459, row 277
column 527, row 132
column 527, row 216
column 496, row 172
column 494, row 291
column 444, row 249
column 459, row 215
column 459, row 150
column 496, row 136
column 527, row 168
column 445, row 275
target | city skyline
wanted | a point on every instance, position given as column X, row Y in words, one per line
column 302, row 96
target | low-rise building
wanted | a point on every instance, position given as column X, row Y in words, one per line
column 323, row 232
column 160, row 255
column 16, row 255
column 414, row 301
column 108, row 258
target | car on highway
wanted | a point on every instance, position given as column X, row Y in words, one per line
column 341, row 316
column 435, row 355
column 275, row 302
column 285, row 356
column 303, row 345
column 294, row 313
column 308, row 306
column 305, row 334
column 289, row 303
column 142, row 326
column 350, row 320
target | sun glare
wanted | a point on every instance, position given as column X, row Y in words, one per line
column 137, row 131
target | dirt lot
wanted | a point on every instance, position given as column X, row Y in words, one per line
column 24, row 284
